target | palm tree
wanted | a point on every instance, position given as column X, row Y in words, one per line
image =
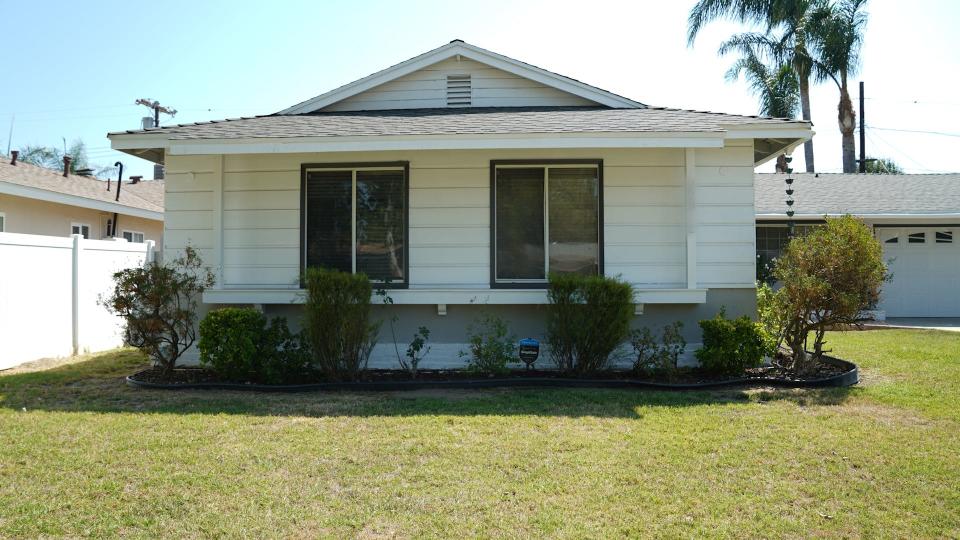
column 792, row 16
column 777, row 88
column 838, row 27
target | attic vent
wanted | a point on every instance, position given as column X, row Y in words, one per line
column 459, row 91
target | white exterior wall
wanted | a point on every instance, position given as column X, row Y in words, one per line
column 426, row 88
column 645, row 218
column 38, row 281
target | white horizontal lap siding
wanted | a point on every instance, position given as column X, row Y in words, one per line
column 190, row 183
column 725, row 217
column 644, row 217
column 261, row 224
column 449, row 225
column 426, row 88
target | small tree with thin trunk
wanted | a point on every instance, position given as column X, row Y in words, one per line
column 829, row 276
column 159, row 303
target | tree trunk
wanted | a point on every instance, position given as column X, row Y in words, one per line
column 805, row 112
column 847, row 119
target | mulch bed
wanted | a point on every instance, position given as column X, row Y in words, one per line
column 831, row 372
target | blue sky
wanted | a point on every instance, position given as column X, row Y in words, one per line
column 74, row 69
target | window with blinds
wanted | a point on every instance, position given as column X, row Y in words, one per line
column 546, row 219
column 355, row 220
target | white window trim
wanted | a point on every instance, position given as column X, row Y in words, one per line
column 353, row 213
column 546, row 217
column 132, row 233
column 81, row 225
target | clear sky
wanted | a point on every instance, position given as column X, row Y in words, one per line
column 73, row 69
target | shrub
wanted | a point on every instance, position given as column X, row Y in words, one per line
column 239, row 345
column 732, row 346
column 653, row 357
column 491, row 348
column 416, row 351
column 588, row 317
column 158, row 303
column 231, row 340
column 337, row 324
column 829, row 276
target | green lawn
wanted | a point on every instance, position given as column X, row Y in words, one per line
column 83, row 455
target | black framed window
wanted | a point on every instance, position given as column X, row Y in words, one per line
column 546, row 218
column 354, row 219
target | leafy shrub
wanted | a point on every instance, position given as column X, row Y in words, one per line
column 416, row 351
column 654, row 357
column 828, row 277
column 337, row 324
column 588, row 317
column 732, row 346
column 491, row 347
column 239, row 345
column 770, row 315
column 158, row 303
column 231, row 342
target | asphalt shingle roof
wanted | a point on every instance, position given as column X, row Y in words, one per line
column 144, row 195
column 468, row 121
column 859, row 194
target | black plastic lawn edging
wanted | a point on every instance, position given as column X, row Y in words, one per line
column 849, row 377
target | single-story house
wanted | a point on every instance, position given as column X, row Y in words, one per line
column 916, row 217
column 37, row 200
column 459, row 179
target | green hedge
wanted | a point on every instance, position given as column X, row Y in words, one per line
column 239, row 345
column 588, row 317
column 337, row 322
column 732, row 346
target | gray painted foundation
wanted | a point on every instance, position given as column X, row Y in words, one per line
column 448, row 333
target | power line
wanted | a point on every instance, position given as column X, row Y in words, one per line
column 916, row 131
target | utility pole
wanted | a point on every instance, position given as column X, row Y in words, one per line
column 863, row 135
column 157, row 109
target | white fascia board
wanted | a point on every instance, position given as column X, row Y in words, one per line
column 445, row 142
column 137, row 141
column 474, row 53
column 29, row 192
column 786, row 132
column 447, row 296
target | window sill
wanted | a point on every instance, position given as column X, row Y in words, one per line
column 416, row 296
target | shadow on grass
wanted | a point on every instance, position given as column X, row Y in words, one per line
column 97, row 385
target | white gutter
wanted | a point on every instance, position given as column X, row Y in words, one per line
column 782, row 216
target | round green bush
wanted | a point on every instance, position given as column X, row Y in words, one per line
column 230, row 342
column 732, row 346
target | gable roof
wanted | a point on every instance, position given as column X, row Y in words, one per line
column 890, row 195
column 143, row 199
column 461, row 48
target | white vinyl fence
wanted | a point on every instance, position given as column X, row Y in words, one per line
column 49, row 294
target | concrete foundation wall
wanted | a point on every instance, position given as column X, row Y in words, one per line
column 448, row 333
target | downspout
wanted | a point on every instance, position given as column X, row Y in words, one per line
column 115, row 215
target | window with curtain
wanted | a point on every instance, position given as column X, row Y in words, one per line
column 355, row 221
column 546, row 219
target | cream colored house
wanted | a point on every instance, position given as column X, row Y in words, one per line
column 36, row 200
column 460, row 178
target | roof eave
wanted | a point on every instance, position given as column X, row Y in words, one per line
column 31, row 192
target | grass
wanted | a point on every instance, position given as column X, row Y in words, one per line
column 83, row 455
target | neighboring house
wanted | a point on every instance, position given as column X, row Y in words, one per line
column 915, row 216
column 460, row 178
column 36, row 200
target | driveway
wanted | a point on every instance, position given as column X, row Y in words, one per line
column 925, row 323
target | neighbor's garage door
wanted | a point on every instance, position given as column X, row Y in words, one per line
column 925, row 263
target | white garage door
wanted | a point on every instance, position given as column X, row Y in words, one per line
column 925, row 263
